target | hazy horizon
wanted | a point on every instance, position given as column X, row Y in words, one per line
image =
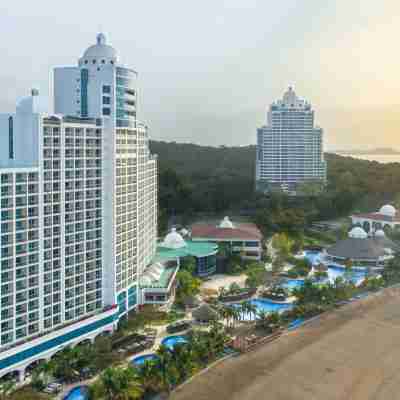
column 209, row 70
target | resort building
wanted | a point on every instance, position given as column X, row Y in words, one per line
column 158, row 284
column 244, row 239
column 174, row 247
column 289, row 147
column 387, row 218
column 363, row 250
column 78, row 204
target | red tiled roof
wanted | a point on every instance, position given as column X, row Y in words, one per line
column 246, row 231
column 378, row 217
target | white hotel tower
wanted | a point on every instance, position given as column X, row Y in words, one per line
column 78, row 198
column 289, row 147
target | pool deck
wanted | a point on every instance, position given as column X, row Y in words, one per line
column 351, row 353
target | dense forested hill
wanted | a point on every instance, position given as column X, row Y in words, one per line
column 197, row 178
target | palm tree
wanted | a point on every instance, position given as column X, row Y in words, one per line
column 348, row 263
column 168, row 371
column 262, row 320
column 236, row 315
column 42, row 373
column 183, row 359
column 150, row 377
column 224, row 313
column 118, row 384
column 249, row 308
column 6, row 388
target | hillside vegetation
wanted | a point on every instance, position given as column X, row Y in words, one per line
column 207, row 179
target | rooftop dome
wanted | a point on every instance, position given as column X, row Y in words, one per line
column 358, row 233
column 380, row 233
column 173, row 240
column 226, row 223
column 184, row 232
column 100, row 51
column 388, row 210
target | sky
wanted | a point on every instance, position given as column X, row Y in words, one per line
column 208, row 69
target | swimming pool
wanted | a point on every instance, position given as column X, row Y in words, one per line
column 138, row 361
column 313, row 256
column 291, row 284
column 356, row 276
column 264, row 305
column 172, row 341
column 78, row 393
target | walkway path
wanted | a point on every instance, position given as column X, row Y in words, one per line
column 351, row 353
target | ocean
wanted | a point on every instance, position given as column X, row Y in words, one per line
column 381, row 158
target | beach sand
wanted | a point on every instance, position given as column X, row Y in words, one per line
column 351, row 353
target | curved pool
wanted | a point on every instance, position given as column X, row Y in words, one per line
column 172, row 341
column 356, row 276
column 78, row 393
column 138, row 361
column 263, row 305
column 291, row 284
column 314, row 257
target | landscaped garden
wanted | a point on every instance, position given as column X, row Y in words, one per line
column 179, row 357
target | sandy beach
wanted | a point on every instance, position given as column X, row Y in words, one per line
column 352, row 353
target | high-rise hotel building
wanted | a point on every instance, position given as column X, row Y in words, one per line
column 78, row 198
column 289, row 147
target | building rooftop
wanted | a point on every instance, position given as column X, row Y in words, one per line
column 195, row 249
column 386, row 213
column 158, row 276
column 226, row 230
column 357, row 248
column 100, row 51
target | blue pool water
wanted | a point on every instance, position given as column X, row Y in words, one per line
column 357, row 274
column 296, row 323
column 78, row 393
column 291, row 284
column 138, row 361
column 334, row 271
column 264, row 305
column 171, row 341
column 313, row 256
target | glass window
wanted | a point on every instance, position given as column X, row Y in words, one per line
column 106, row 111
column 106, row 89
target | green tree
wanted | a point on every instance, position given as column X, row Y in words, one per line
column 282, row 244
column 278, row 264
column 391, row 273
column 188, row 264
column 6, row 389
column 187, row 285
column 255, row 275
column 348, row 263
column 117, row 383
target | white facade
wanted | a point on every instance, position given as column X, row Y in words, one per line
column 78, row 197
column 100, row 87
column 289, row 146
column 387, row 217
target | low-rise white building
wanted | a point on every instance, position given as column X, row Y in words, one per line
column 387, row 217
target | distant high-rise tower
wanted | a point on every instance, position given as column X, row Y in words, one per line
column 289, row 147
